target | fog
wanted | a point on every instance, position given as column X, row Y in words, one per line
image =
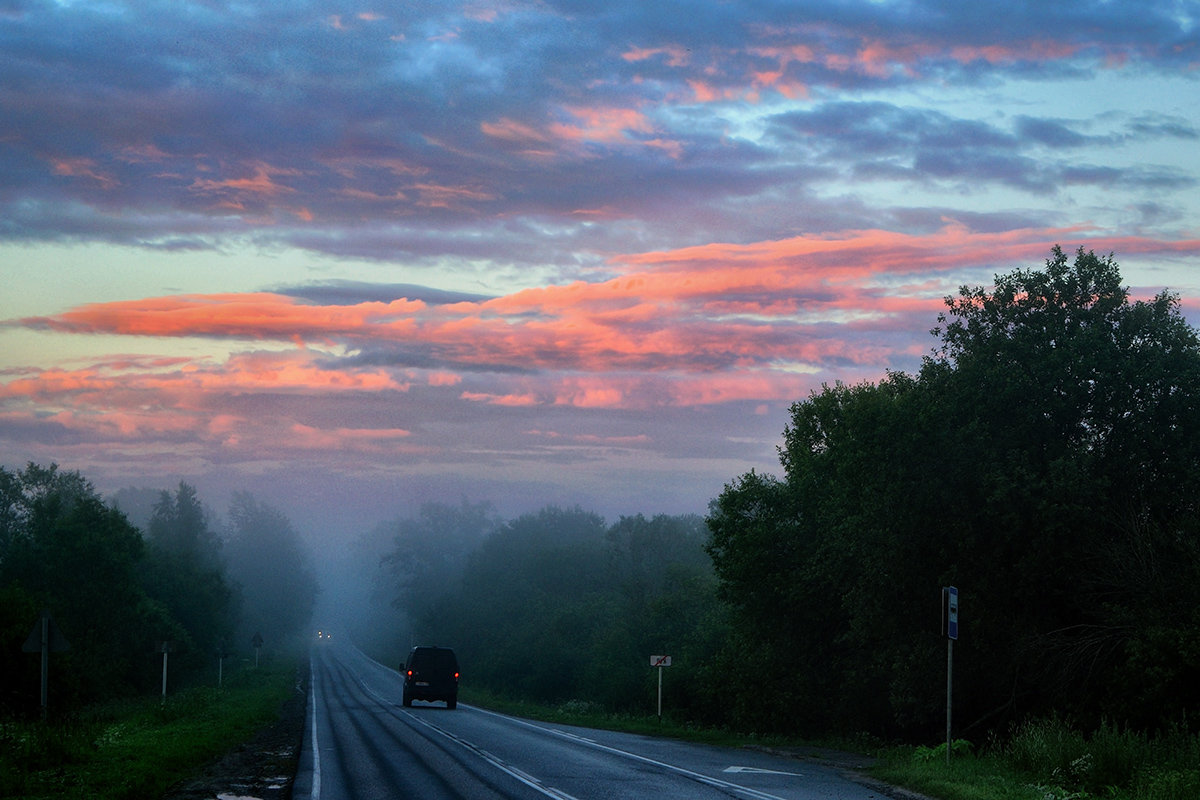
column 440, row 575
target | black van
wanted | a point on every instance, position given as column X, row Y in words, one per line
column 431, row 673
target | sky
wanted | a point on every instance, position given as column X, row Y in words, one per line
column 357, row 256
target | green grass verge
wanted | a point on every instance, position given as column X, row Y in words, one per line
column 966, row 777
column 138, row 748
column 593, row 715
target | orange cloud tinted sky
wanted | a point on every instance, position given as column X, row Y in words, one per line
column 357, row 259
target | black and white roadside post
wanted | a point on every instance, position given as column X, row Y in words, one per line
column 164, row 648
column 257, row 643
column 950, row 631
column 660, row 662
column 45, row 637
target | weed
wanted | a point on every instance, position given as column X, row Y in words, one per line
column 1168, row 784
column 135, row 748
column 959, row 748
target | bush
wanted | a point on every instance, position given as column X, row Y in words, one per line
column 1168, row 784
column 1064, row 764
column 959, row 748
column 1045, row 747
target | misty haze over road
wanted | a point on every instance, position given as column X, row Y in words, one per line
column 360, row 742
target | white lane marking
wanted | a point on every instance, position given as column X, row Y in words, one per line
column 523, row 777
column 705, row 779
column 551, row 791
column 315, row 794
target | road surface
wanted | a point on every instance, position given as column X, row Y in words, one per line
column 361, row 743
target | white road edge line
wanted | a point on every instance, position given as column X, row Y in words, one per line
column 550, row 791
column 315, row 793
column 717, row 782
column 523, row 777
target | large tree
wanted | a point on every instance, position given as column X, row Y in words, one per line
column 554, row 606
column 429, row 553
column 66, row 551
column 1079, row 412
column 1046, row 459
column 186, row 573
column 273, row 570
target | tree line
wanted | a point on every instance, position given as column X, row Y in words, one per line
column 553, row 606
column 1045, row 459
column 118, row 592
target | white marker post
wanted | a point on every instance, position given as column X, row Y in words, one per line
column 660, row 662
column 166, row 648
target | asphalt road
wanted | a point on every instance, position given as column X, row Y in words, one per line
column 361, row 743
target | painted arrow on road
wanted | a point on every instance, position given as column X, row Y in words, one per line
column 763, row 771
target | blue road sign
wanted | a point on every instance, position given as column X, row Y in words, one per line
column 950, row 603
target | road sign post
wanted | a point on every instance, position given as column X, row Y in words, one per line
column 950, row 630
column 45, row 637
column 660, row 662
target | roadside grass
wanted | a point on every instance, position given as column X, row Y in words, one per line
column 1039, row 760
column 138, row 748
column 966, row 777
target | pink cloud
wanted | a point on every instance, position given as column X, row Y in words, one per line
column 501, row 399
column 245, row 372
column 444, row 379
column 360, row 439
column 676, row 55
column 83, row 168
column 608, row 125
column 252, row 316
column 705, row 324
column 434, row 195
column 261, row 182
column 514, row 131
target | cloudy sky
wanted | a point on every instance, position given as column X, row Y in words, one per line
column 353, row 256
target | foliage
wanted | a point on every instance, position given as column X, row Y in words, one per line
column 186, row 574
column 959, row 748
column 556, row 607
column 1050, row 759
column 117, row 595
column 66, row 551
column 274, row 571
column 1046, row 460
column 429, row 552
column 135, row 749
column 984, row 777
